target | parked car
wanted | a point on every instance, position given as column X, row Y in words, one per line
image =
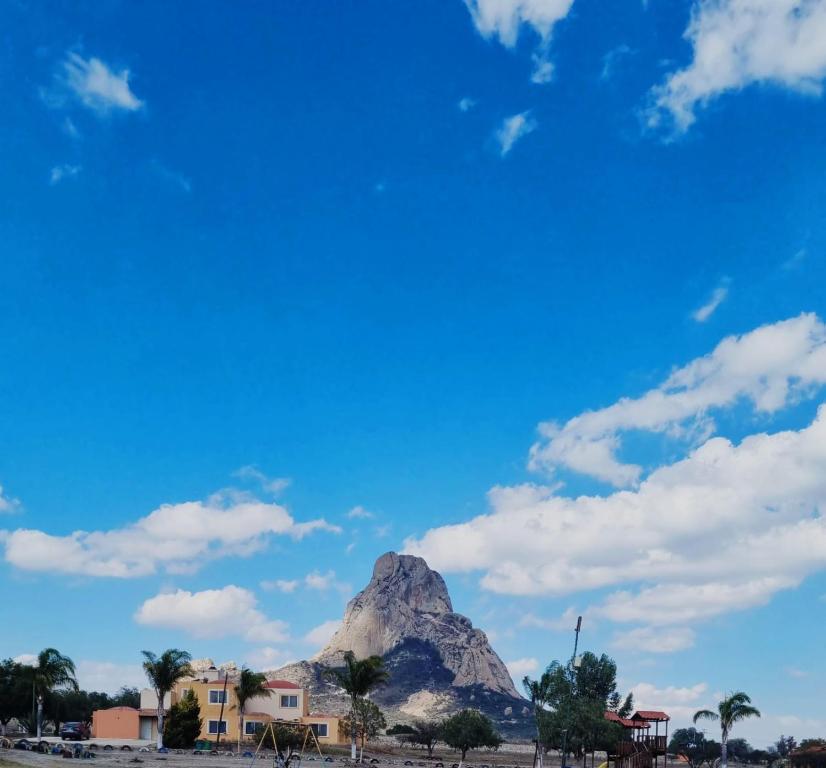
column 74, row 731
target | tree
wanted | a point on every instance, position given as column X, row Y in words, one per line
column 730, row 711
column 692, row 745
column 785, row 745
column 811, row 743
column 740, row 750
column 538, row 692
column 287, row 739
column 126, row 697
column 423, row 733
column 163, row 672
column 183, row 726
column 51, row 670
column 399, row 729
column 250, row 685
column 369, row 720
column 469, row 729
column 357, row 677
column 13, row 692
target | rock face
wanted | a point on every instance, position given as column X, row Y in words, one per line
column 438, row 662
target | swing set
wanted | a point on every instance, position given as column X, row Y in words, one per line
column 302, row 729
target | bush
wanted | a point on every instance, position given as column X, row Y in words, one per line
column 183, row 723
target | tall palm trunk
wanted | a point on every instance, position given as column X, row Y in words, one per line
column 724, row 749
column 160, row 721
column 353, row 730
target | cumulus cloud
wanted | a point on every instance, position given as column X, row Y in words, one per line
column 359, row 513
column 323, row 582
column 768, row 368
column 718, row 296
column 746, row 515
column 655, row 639
column 512, row 129
column 723, row 529
column 680, row 702
column 318, row 636
column 109, row 677
column 212, row 613
column 268, row 658
column 287, row 586
column 178, row 538
column 97, row 86
column 504, row 20
column 466, row 104
column 521, row 667
column 737, row 43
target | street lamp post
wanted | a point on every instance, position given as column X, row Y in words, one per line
column 573, row 665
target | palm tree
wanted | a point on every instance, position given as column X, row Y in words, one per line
column 163, row 672
column 51, row 670
column 734, row 708
column 357, row 677
column 250, row 685
column 538, row 692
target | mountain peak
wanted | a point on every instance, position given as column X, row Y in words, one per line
column 406, row 601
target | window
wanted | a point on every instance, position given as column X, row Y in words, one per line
column 289, row 701
column 214, row 725
column 217, row 696
column 184, row 692
column 250, row 726
column 319, row 729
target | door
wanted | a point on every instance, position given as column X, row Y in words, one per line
column 146, row 728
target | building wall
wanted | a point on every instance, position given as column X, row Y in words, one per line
column 332, row 735
column 115, row 723
column 149, row 700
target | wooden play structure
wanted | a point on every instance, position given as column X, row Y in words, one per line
column 638, row 747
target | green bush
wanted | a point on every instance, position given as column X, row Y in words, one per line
column 183, row 724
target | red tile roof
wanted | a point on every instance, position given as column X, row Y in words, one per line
column 650, row 714
column 282, row 684
column 623, row 721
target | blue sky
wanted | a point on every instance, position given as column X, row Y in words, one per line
column 379, row 251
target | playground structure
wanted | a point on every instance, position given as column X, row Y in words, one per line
column 304, row 730
column 638, row 748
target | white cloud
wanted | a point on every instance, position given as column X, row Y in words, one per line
column 466, row 104
column 176, row 537
column 737, row 43
column 769, row 367
column 287, row 586
column 26, row 658
column 318, row 636
column 273, row 485
column 97, row 86
column 323, row 582
column 514, row 128
column 728, row 525
column 268, row 658
column 60, row 172
column 212, row 613
column 109, row 677
column 655, row 639
column 504, row 19
column 718, row 296
column 7, row 504
column 796, row 673
column 521, row 667
column 680, row 702
column 564, row 623
column 359, row 513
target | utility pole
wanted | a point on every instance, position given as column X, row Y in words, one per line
column 221, row 715
column 572, row 666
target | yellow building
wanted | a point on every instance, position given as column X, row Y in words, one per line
column 285, row 701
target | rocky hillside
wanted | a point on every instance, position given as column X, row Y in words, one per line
column 437, row 661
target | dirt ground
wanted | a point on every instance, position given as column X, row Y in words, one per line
column 518, row 757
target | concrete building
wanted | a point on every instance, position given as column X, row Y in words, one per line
column 215, row 691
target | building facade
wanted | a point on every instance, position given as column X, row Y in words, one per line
column 215, row 691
